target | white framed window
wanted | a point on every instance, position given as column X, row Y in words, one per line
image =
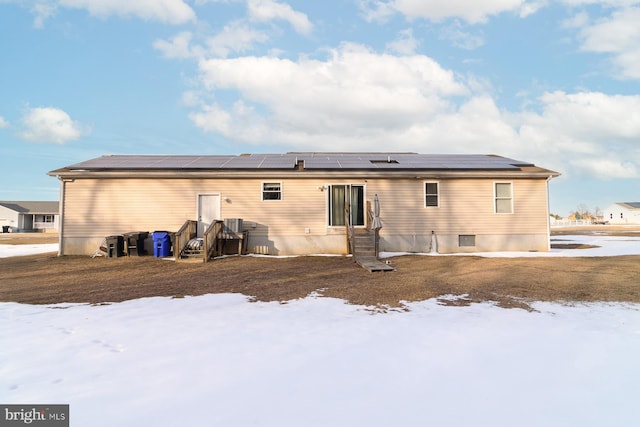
column 431, row 194
column 272, row 190
column 503, row 197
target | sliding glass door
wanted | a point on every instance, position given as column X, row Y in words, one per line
column 342, row 197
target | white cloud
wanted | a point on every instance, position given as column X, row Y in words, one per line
column 471, row 11
column 3, row 123
column 168, row 11
column 579, row 20
column 42, row 9
column 191, row 98
column 613, row 34
column 268, row 10
column 531, row 7
column 234, row 37
column 405, row 44
column 477, row 125
column 590, row 133
column 608, row 167
column 606, row 3
column 201, row 2
column 357, row 99
column 179, row 47
column 619, row 36
column 594, row 115
column 460, row 38
column 376, row 10
column 213, row 118
column 240, row 122
column 354, row 91
column 48, row 124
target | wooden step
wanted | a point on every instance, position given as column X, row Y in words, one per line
column 372, row 264
column 192, row 254
column 191, row 260
column 364, row 248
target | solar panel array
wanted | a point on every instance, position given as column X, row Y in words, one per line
column 311, row 161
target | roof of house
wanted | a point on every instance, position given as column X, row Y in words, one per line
column 32, row 207
column 308, row 161
column 629, row 205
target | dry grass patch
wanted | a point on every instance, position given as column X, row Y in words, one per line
column 27, row 238
column 509, row 282
column 454, row 280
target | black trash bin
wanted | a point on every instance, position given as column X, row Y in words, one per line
column 5, row 228
column 134, row 243
column 115, row 246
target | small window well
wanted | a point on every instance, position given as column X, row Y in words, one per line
column 466, row 240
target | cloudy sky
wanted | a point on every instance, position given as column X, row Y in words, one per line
column 553, row 82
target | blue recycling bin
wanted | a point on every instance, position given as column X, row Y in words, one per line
column 161, row 244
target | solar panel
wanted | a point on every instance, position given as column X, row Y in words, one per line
column 312, row 161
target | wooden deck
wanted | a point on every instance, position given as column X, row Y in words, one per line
column 372, row 263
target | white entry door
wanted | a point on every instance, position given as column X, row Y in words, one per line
column 208, row 211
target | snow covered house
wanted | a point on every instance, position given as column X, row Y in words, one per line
column 29, row 216
column 623, row 213
column 296, row 203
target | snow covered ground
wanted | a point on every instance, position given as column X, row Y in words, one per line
column 605, row 246
column 20, row 250
column 219, row 360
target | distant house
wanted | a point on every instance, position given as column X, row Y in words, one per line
column 623, row 213
column 29, row 216
column 295, row 203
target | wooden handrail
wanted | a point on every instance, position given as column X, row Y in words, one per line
column 212, row 240
column 351, row 248
column 187, row 232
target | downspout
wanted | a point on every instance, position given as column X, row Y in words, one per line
column 548, row 216
column 60, row 216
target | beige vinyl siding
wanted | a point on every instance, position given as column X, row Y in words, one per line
column 100, row 207
column 96, row 208
column 466, row 206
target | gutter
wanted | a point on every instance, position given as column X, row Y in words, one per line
column 549, row 215
column 322, row 174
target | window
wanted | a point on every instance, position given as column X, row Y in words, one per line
column 48, row 218
column 431, row 195
column 271, row 191
column 466, row 240
column 342, row 197
column 503, row 198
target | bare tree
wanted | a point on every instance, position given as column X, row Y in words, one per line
column 582, row 211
